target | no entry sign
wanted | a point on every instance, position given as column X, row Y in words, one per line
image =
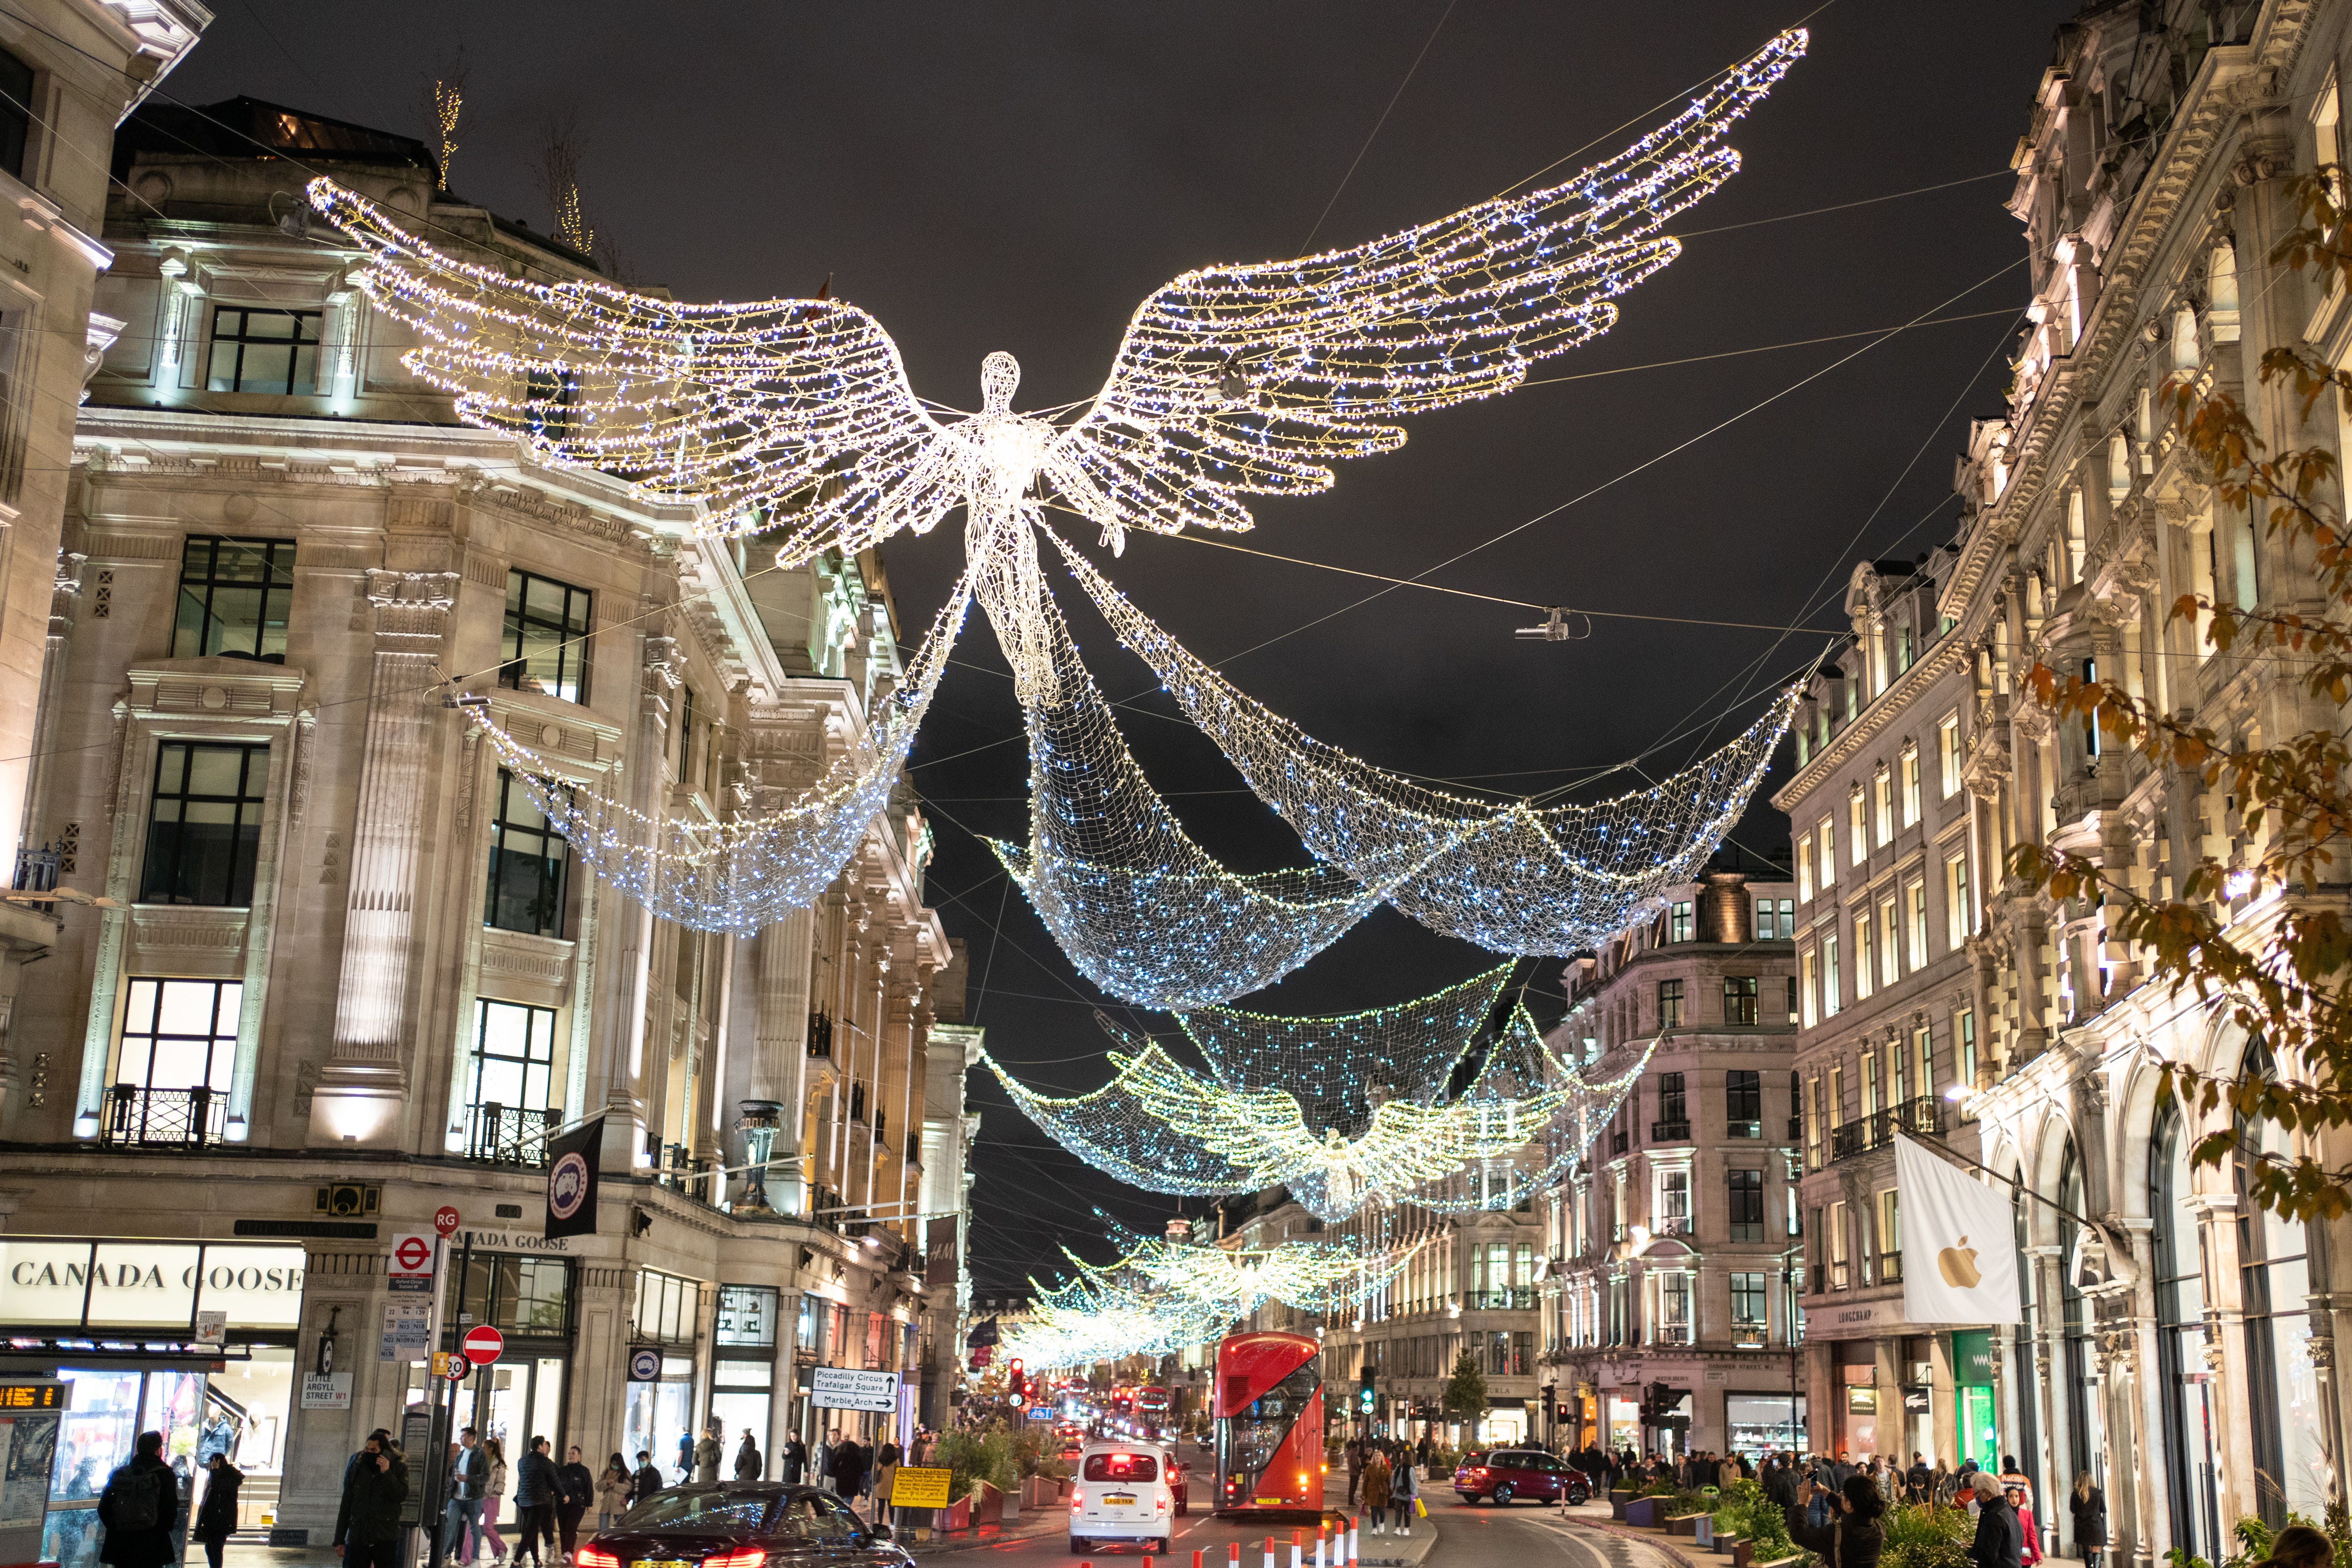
column 483, row 1344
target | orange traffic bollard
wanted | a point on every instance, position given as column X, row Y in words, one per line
column 1197, row 1555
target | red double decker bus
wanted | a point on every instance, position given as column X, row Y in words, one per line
column 1268, row 1409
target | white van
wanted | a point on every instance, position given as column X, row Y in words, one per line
column 1122, row 1493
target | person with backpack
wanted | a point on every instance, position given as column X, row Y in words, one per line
column 367, row 1525
column 141, row 1509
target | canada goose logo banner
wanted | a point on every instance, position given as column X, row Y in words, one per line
column 1959, row 1243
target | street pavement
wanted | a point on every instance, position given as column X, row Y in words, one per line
column 1455, row 1535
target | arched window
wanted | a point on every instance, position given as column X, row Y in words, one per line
column 2180, row 1237
column 2086, row 1442
column 2023, row 1375
column 2275, row 1288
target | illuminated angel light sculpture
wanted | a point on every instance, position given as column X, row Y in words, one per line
column 1505, row 1119
column 1232, row 381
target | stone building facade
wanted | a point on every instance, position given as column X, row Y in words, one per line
column 1669, row 1246
column 69, row 71
column 338, row 973
column 1890, row 859
column 2176, row 1344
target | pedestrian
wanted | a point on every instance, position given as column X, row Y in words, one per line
column 576, row 1488
column 1355, row 1453
column 749, row 1465
column 1375, row 1479
column 1916, row 1480
column 684, row 1458
column 848, row 1470
column 794, row 1462
column 706, row 1454
column 1853, row 1537
column 2020, row 1498
column 216, row 1518
column 886, row 1481
column 470, row 1474
column 1942, row 1487
column 1999, row 1539
column 647, row 1482
column 1728, row 1472
column 537, row 1487
column 367, row 1524
column 1404, row 1491
column 828, row 1450
column 1890, row 1479
column 613, row 1492
column 2299, row 1546
column 2088, row 1504
column 494, row 1496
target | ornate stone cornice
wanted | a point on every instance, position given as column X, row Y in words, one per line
column 1943, row 656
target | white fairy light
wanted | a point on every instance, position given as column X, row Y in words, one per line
column 1513, row 877
column 743, row 872
column 1232, row 380
column 1165, row 1127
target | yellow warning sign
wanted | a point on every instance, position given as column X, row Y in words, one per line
column 920, row 1489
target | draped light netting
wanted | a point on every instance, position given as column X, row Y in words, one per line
column 1519, row 879
column 1141, row 909
column 743, row 873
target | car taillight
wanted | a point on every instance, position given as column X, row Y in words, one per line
column 1163, row 1505
column 593, row 1556
column 741, row 1557
column 1077, row 1498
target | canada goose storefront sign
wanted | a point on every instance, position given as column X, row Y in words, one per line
column 1963, row 1225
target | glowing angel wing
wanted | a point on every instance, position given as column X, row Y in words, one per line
column 1237, row 380
column 792, row 414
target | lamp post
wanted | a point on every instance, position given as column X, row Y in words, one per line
column 1790, row 1266
column 1551, row 1415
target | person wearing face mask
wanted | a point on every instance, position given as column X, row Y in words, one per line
column 1855, row 1535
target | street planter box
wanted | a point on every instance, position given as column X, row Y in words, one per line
column 1703, row 1529
column 1643, row 1512
column 1743, row 1554
column 1618, row 1497
column 1789, row 1562
column 956, row 1516
column 1687, row 1523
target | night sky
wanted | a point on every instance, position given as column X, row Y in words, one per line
column 997, row 175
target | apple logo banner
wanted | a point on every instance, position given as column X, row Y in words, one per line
column 1943, row 1206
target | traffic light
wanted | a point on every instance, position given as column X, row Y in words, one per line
column 1364, row 1394
column 1016, row 1381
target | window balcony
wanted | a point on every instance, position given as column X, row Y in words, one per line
column 1890, row 1268
column 1670, row 1131
column 1743, row 1130
column 1748, row 1336
column 139, row 1118
column 1618, row 1140
column 511, row 1135
column 1796, row 1128
column 37, row 870
column 1877, row 1130
column 1820, row 1277
column 820, row 1036
column 1676, row 1224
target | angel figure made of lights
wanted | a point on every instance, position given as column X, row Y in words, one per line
column 796, row 416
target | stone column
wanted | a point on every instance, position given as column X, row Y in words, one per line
column 625, row 1099
column 365, row 1083
column 785, row 958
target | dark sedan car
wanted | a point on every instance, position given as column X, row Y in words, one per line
column 742, row 1524
column 1508, row 1473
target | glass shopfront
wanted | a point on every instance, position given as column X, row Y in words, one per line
column 2180, row 1341
column 658, row 1414
column 1764, row 1423
column 120, row 1320
column 1975, row 1434
column 744, row 1376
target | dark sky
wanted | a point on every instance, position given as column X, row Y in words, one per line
column 1008, row 175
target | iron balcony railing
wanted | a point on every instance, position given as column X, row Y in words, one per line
column 1747, row 1129
column 1877, row 1130
column 37, row 870
column 1669, row 1131
column 141, row 1118
column 1617, row 1140
column 1890, row 1268
column 510, row 1134
column 820, row 1035
column 1674, row 1225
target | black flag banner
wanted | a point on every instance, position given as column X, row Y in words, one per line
column 572, row 1181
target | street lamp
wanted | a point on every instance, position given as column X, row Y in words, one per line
column 1791, row 1264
